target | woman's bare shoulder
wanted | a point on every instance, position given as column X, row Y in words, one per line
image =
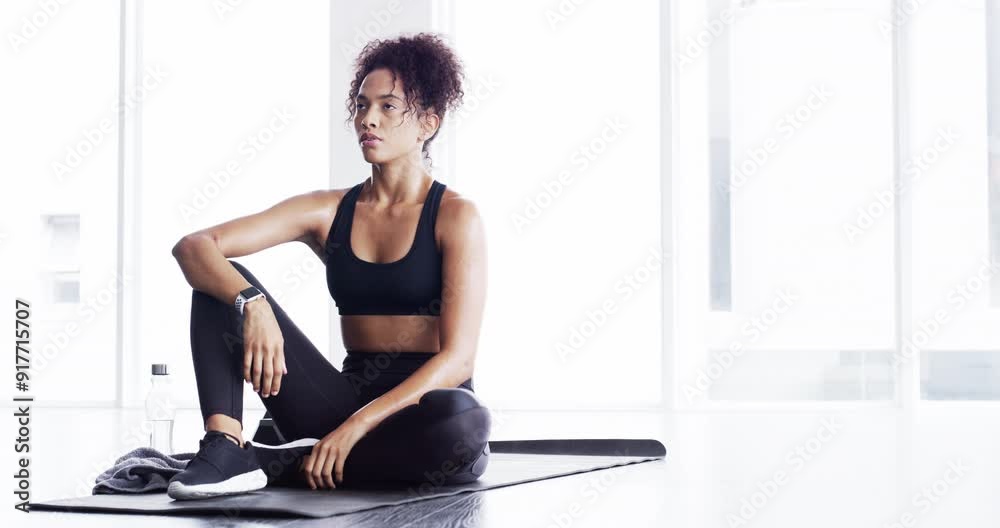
column 455, row 205
column 329, row 200
column 458, row 218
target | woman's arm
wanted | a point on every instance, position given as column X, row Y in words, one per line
column 463, row 297
column 202, row 255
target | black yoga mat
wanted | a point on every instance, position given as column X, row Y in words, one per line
column 511, row 462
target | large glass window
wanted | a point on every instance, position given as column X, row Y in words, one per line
column 59, row 206
column 835, row 189
column 240, row 121
column 800, row 293
column 812, row 150
column 559, row 144
column 955, row 109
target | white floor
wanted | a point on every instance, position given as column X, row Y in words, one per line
column 878, row 468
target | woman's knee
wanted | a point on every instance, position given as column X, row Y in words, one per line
column 450, row 401
column 456, row 431
column 459, row 418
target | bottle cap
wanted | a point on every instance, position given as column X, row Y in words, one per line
column 159, row 369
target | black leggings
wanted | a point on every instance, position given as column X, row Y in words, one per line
column 443, row 439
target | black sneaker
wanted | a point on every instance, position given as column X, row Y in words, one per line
column 220, row 467
column 282, row 463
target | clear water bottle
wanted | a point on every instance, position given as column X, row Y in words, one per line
column 160, row 410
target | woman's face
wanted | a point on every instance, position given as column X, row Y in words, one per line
column 379, row 112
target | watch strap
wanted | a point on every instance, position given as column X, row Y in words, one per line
column 245, row 296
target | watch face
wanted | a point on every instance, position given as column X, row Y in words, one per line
column 250, row 292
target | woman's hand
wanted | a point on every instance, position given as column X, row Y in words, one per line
column 326, row 462
column 263, row 348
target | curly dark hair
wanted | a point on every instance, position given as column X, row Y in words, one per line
column 431, row 72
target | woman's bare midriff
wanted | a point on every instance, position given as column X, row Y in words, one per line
column 390, row 333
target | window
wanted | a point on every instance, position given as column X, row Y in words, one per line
column 63, row 259
column 799, row 297
column 955, row 201
column 559, row 145
column 816, row 289
column 232, row 123
column 61, row 192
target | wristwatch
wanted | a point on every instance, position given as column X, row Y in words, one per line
column 246, row 296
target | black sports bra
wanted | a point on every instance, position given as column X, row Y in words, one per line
column 408, row 286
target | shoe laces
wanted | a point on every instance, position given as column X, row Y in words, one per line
column 209, row 444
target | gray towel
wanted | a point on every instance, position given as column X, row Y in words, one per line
column 141, row 470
